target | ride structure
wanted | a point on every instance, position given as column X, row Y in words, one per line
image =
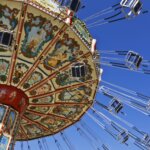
column 46, row 66
column 51, row 73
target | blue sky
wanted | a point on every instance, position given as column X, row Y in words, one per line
column 124, row 35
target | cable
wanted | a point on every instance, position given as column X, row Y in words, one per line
column 98, row 13
column 112, row 21
column 92, row 133
column 99, row 16
column 141, row 98
column 127, row 101
column 125, row 122
column 28, row 146
column 121, row 67
column 123, row 94
column 117, row 52
column 45, row 144
column 86, row 136
column 67, row 141
column 40, row 145
column 21, row 145
column 105, row 11
column 101, row 125
column 59, row 147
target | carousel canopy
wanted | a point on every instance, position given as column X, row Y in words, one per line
column 50, row 61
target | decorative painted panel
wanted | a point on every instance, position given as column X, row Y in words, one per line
column 4, row 66
column 37, row 35
column 53, row 123
column 66, row 50
column 40, row 62
column 38, row 31
column 34, row 78
column 68, row 111
column 44, row 100
column 39, row 109
column 33, row 130
column 20, row 69
column 79, row 95
column 31, row 116
column 8, row 17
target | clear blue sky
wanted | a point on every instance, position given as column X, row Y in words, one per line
column 124, row 35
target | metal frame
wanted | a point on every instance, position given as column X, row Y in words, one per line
column 12, row 36
column 123, row 136
column 131, row 64
column 146, row 140
column 128, row 7
column 74, row 65
column 116, row 109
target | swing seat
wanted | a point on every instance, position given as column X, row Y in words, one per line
column 78, row 70
column 131, row 7
column 146, row 140
column 133, row 60
column 6, row 38
column 124, row 136
column 115, row 106
column 73, row 5
column 148, row 106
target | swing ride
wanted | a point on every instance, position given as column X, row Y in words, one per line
column 50, row 71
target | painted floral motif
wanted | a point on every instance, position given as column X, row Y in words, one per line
column 53, row 123
column 33, row 129
column 66, row 50
column 4, row 65
column 63, row 78
column 34, row 78
column 20, row 135
column 20, row 69
column 67, row 111
column 38, row 31
column 45, row 100
column 31, row 116
column 23, row 121
column 40, row 109
column 45, row 88
column 80, row 94
column 8, row 17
